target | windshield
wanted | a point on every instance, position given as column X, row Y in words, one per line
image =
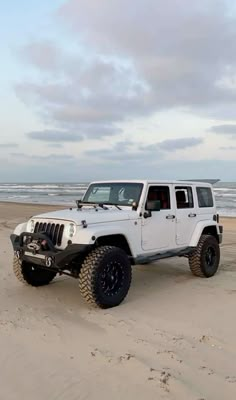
column 123, row 194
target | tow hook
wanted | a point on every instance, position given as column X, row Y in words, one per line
column 18, row 254
column 48, row 262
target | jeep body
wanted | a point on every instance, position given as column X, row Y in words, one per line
column 147, row 220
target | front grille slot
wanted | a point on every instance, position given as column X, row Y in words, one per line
column 56, row 233
column 60, row 234
column 53, row 231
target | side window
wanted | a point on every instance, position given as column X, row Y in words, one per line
column 204, row 195
column 161, row 193
column 184, row 197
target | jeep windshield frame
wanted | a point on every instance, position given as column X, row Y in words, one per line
column 113, row 193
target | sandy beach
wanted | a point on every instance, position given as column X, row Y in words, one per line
column 172, row 338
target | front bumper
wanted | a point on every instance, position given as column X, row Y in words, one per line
column 38, row 249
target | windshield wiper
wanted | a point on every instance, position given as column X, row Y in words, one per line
column 116, row 206
column 102, row 206
column 113, row 204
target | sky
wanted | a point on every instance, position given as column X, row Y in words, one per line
column 110, row 89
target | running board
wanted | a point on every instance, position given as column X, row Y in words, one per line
column 159, row 256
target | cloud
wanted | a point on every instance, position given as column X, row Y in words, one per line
column 51, row 158
column 8, row 145
column 181, row 64
column 89, row 131
column 92, row 102
column 228, row 148
column 127, row 153
column 131, row 151
column 54, row 136
column 179, row 144
column 43, row 54
column 119, row 66
column 82, row 171
column 55, row 145
column 226, row 129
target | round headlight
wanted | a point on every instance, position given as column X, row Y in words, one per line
column 72, row 230
column 32, row 226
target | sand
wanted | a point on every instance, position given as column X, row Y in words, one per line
column 172, row 338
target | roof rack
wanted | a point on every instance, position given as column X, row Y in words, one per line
column 211, row 181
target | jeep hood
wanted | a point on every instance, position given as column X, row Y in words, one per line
column 90, row 215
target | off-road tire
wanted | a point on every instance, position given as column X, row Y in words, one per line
column 95, row 277
column 199, row 259
column 31, row 274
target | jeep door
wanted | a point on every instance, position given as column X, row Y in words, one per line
column 185, row 214
column 158, row 229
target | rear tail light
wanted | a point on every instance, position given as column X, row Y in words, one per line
column 216, row 218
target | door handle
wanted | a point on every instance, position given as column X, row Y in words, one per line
column 192, row 215
column 170, row 217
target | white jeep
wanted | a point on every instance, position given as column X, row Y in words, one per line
column 116, row 225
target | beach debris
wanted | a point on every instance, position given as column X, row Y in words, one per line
column 127, row 357
column 231, row 379
column 164, row 379
column 165, row 376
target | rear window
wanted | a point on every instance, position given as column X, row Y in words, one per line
column 205, row 198
column 184, row 197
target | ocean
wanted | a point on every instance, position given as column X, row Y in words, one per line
column 67, row 193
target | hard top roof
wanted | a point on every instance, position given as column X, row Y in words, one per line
column 206, row 182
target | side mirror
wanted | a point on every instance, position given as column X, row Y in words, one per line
column 153, row 205
column 147, row 214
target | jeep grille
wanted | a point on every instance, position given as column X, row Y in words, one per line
column 53, row 231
